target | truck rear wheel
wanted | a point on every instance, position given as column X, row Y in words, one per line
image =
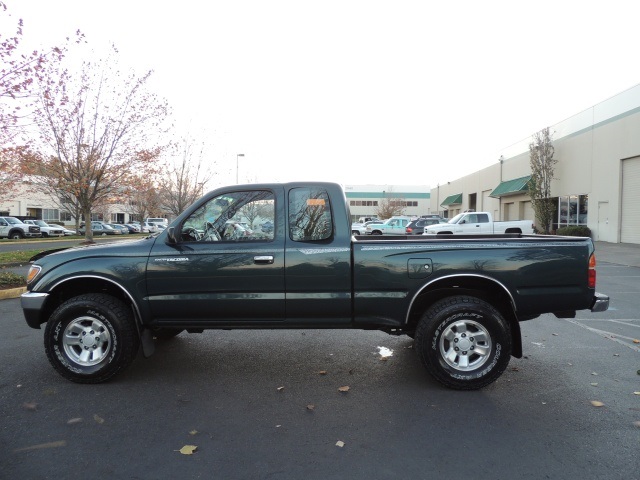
column 90, row 338
column 463, row 342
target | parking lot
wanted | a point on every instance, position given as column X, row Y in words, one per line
column 266, row 404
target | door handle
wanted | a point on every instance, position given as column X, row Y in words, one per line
column 263, row 259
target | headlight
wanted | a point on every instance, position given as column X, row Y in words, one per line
column 33, row 273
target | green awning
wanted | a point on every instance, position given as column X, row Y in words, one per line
column 511, row 187
column 452, row 200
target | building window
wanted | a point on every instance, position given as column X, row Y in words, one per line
column 573, row 210
column 50, row 214
column 65, row 216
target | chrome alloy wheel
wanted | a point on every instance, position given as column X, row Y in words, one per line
column 86, row 341
column 465, row 345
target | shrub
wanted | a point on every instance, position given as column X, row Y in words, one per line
column 575, row 231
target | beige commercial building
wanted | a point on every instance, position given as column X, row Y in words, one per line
column 597, row 177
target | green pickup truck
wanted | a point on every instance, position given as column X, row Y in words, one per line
column 216, row 267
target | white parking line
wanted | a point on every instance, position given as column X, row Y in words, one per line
column 609, row 335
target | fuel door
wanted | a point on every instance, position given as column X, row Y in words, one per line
column 419, row 267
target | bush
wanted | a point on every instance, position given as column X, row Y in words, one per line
column 11, row 280
column 574, row 231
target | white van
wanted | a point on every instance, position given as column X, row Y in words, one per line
column 163, row 221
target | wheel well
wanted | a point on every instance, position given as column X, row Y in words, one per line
column 445, row 233
column 78, row 286
column 513, row 230
column 479, row 287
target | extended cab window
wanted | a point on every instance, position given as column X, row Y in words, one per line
column 309, row 215
column 232, row 217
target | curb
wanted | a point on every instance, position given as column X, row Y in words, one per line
column 12, row 293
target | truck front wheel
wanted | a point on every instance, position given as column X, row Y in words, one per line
column 463, row 342
column 16, row 235
column 90, row 338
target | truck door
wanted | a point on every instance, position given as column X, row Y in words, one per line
column 318, row 260
column 4, row 228
column 223, row 267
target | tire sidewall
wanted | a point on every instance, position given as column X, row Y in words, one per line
column 429, row 345
column 54, row 333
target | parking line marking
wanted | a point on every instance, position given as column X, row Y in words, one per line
column 609, row 335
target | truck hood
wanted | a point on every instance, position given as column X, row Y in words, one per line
column 129, row 248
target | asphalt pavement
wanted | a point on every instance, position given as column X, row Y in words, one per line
column 267, row 404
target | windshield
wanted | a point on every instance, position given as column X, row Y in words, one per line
column 12, row 221
column 41, row 223
column 457, row 218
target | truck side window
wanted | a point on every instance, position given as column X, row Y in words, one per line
column 232, row 217
column 309, row 215
column 483, row 218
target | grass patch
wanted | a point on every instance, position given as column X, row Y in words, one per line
column 17, row 256
column 11, row 280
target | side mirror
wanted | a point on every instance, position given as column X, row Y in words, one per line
column 171, row 236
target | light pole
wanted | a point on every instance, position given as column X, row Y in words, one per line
column 238, row 155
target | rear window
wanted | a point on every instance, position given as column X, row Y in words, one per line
column 309, row 215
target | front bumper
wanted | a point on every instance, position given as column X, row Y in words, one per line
column 32, row 304
column 600, row 303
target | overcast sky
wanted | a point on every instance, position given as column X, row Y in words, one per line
column 361, row 92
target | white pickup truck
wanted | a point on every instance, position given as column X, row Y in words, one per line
column 391, row 226
column 478, row 223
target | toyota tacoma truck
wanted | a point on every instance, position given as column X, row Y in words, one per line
column 460, row 297
column 479, row 223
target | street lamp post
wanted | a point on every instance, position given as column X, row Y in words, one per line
column 238, row 155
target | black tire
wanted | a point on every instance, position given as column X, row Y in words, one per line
column 17, row 235
column 90, row 338
column 167, row 333
column 376, row 232
column 463, row 322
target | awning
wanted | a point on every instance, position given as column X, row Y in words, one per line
column 511, row 187
column 452, row 200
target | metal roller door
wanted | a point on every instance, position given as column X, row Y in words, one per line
column 630, row 227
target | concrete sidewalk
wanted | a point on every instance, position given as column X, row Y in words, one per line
column 619, row 253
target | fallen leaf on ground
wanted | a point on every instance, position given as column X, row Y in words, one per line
column 30, row 406
column 74, row 420
column 98, row 419
column 311, row 407
column 636, row 393
column 193, row 432
column 340, row 443
column 343, row 389
column 280, row 389
column 637, row 424
column 635, row 340
column 594, row 384
column 322, row 372
column 597, row 403
column 554, row 334
column 59, row 443
column 515, row 369
column 594, row 373
column 187, row 449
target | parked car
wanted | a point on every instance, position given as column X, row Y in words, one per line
column 67, row 232
column 150, row 227
column 123, row 230
column 11, row 227
column 391, row 226
column 99, row 228
column 46, row 229
column 416, row 227
column 133, row 227
column 360, row 228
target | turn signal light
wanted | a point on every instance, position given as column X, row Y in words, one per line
column 33, row 272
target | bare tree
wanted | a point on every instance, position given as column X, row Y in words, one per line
column 143, row 199
column 94, row 131
column 18, row 70
column 542, row 164
column 184, row 180
column 390, row 206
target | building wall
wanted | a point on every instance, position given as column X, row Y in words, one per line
column 590, row 148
